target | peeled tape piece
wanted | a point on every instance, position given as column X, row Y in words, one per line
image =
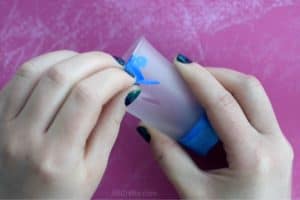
column 134, row 66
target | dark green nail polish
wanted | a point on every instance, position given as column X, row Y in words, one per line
column 132, row 96
column 121, row 61
column 183, row 59
column 144, row 133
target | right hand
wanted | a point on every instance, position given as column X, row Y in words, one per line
column 259, row 156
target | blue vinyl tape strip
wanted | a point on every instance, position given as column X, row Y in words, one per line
column 201, row 138
column 134, row 66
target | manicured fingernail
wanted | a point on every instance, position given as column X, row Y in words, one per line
column 121, row 61
column 144, row 133
column 183, row 59
column 132, row 96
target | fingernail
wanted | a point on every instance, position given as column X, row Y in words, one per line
column 144, row 133
column 132, row 96
column 121, row 61
column 183, row 59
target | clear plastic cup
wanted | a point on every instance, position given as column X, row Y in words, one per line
column 169, row 105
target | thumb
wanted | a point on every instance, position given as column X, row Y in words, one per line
column 174, row 161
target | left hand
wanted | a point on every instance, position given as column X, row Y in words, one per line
column 59, row 118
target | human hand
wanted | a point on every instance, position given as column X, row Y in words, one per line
column 259, row 156
column 59, row 118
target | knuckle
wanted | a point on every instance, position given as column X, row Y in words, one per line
column 51, row 164
column 67, row 51
column 10, row 152
column 290, row 153
column 284, row 154
column 121, row 74
column 225, row 100
column 275, row 155
column 116, row 122
column 27, row 70
column 97, row 55
column 46, row 163
column 14, row 149
column 56, row 75
column 47, row 169
column 118, row 74
column 165, row 147
column 262, row 162
column 251, row 82
column 83, row 92
column 160, row 156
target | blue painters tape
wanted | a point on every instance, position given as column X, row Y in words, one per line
column 201, row 138
column 134, row 66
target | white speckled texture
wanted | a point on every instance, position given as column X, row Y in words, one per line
column 260, row 37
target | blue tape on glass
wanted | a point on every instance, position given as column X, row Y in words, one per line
column 201, row 138
column 134, row 66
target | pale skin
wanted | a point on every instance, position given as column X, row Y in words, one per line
column 58, row 129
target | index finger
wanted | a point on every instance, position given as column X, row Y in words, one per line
column 224, row 112
column 251, row 95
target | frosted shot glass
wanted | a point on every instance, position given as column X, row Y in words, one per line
column 165, row 102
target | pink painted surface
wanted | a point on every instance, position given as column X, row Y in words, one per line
column 260, row 37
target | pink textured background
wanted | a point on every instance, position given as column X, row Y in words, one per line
column 260, row 37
